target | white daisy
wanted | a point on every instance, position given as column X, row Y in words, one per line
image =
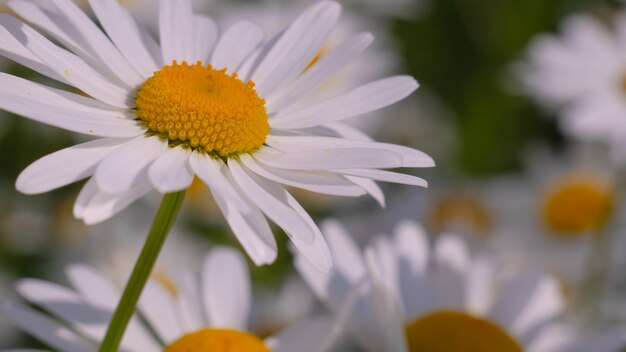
column 414, row 298
column 206, row 313
column 163, row 115
column 582, row 74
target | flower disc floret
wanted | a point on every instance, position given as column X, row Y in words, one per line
column 218, row 340
column 203, row 108
column 578, row 205
column 451, row 331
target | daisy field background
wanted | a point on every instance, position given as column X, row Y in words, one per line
column 522, row 104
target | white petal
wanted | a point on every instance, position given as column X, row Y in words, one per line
column 205, row 31
column 158, row 308
column 67, row 65
column 66, row 304
column 120, row 169
column 361, row 100
column 86, row 194
column 546, row 302
column 100, row 44
column 410, row 157
column 316, row 182
column 329, row 159
column 226, row 289
column 250, row 227
column 386, row 176
column 101, row 292
column 295, row 49
column 481, row 287
column 236, row 44
column 128, row 35
column 209, row 171
column 65, row 166
column 176, row 25
column 329, row 64
column 171, row 172
column 189, row 301
column 63, row 109
column 371, row 187
column 102, row 206
column 411, row 245
column 48, row 331
column 287, row 213
column 273, row 205
column 515, row 298
column 449, row 277
column 56, row 26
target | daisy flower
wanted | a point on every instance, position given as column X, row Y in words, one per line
column 225, row 108
column 206, row 312
column 581, row 74
column 416, row 298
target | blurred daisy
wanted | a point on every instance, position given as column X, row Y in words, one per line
column 420, row 299
column 223, row 108
column 582, row 74
column 206, row 313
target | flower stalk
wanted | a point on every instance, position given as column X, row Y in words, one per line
column 163, row 221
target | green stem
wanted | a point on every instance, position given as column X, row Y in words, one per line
column 163, row 221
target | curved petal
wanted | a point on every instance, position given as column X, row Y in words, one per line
column 109, row 55
column 67, row 305
column 63, row 109
column 386, row 176
column 250, row 227
column 65, row 166
column 236, row 44
column 158, row 308
column 118, row 172
column 316, row 182
column 326, row 67
column 226, row 289
column 102, row 206
column 361, row 100
column 210, row 172
column 410, row 157
column 171, row 172
column 330, row 159
column 45, row 329
column 285, row 211
column 128, row 35
column 296, row 47
column 67, row 65
column 206, row 34
column 176, row 28
column 101, row 292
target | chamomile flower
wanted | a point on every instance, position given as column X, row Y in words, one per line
column 206, row 312
column 414, row 298
column 581, row 74
column 225, row 108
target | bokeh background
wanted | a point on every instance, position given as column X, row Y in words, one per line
column 503, row 161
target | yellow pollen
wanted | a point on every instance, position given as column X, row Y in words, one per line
column 204, row 109
column 463, row 210
column 450, row 331
column 218, row 340
column 578, row 205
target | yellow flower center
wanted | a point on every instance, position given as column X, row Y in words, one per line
column 459, row 212
column 449, row 331
column 578, row 205
column 204, row 109
column 217, row 340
